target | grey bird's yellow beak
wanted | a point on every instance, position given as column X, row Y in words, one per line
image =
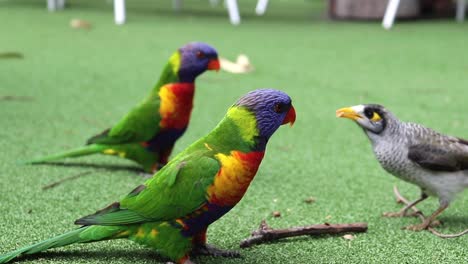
column 348, row 112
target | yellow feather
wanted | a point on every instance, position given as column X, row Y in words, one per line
column 174, row 60
column 246, row 121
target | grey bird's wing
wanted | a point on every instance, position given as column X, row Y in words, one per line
column 441, row 153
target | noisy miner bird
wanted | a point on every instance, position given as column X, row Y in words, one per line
column 437, row 163
column 171, row 211
column 149, row 131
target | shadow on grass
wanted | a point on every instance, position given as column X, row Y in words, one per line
column 75, row 256
column 451, row 222
column 304, row 238
column 106, row 167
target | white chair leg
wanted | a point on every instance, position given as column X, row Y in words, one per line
column 390, row 13
column 177, row 4
column 119, row 12
column 60, row 4
column 461, row 9
column 261, row 7
column 233, row 11
column 51, row 5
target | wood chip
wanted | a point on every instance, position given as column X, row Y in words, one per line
column 349, row 237
column 276, row 214
column 310, row 200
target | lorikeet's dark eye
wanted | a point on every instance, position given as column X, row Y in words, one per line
column 200, row 55
column 369, row 113
column 280, row 108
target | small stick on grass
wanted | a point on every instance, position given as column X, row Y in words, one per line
column 403, row 200
column 267, row 234
column 11, row 55
column 16, row 98
column 55, row 184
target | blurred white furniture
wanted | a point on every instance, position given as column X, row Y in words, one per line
column 461, row 9
column 120, row 15
column 261, row 7
column 392, row 8
column 53, row 5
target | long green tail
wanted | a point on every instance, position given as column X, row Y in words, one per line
column 86, row 150
column 81, row 235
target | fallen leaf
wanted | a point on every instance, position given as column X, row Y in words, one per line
column 276, row 214
column 349, row 237
column 242, row 64
column 79, row 23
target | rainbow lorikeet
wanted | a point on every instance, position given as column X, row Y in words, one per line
column 171, row 211
column 148, row 132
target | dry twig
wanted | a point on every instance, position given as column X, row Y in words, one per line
column 403, row 200
column 55, row 184
column 267, row 234
column 11, row 55
column 16, row 98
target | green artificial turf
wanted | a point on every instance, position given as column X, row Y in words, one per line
column 78, row 82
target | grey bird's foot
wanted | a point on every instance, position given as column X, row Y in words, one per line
column 423, row 226
column 400, row 214
column 213, row 251
column 417, row 227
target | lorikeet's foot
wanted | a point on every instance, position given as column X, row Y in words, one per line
column 209, row 250
column 400, row 214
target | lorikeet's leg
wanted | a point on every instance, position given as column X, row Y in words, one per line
column 403, row 212
column 200, row 247
column 184, row 260
column 164, row 156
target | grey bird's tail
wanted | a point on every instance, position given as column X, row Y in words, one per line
column 81, row 235
column 83, row 151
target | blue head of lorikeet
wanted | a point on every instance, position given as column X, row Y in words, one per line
column 196, row 58
column 272, row 108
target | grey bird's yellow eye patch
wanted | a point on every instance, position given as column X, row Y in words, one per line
column 376, row 117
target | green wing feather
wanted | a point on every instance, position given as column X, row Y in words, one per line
column 139, row 125
column 176, row 190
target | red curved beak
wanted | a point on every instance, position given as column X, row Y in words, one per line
column 214, row 65
column 290, row 116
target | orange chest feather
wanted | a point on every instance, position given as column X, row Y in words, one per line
column 176, row 105
column 236, row 172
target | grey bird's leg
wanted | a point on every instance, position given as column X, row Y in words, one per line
column 403, row 212
column 429, row 220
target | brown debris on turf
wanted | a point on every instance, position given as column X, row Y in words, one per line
column 403, row 200
column 11, row 55
column 267, row 234
column 80, row 23
column 310, row 200
column 15, row 98
column 276, row 214
column 57, row 183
